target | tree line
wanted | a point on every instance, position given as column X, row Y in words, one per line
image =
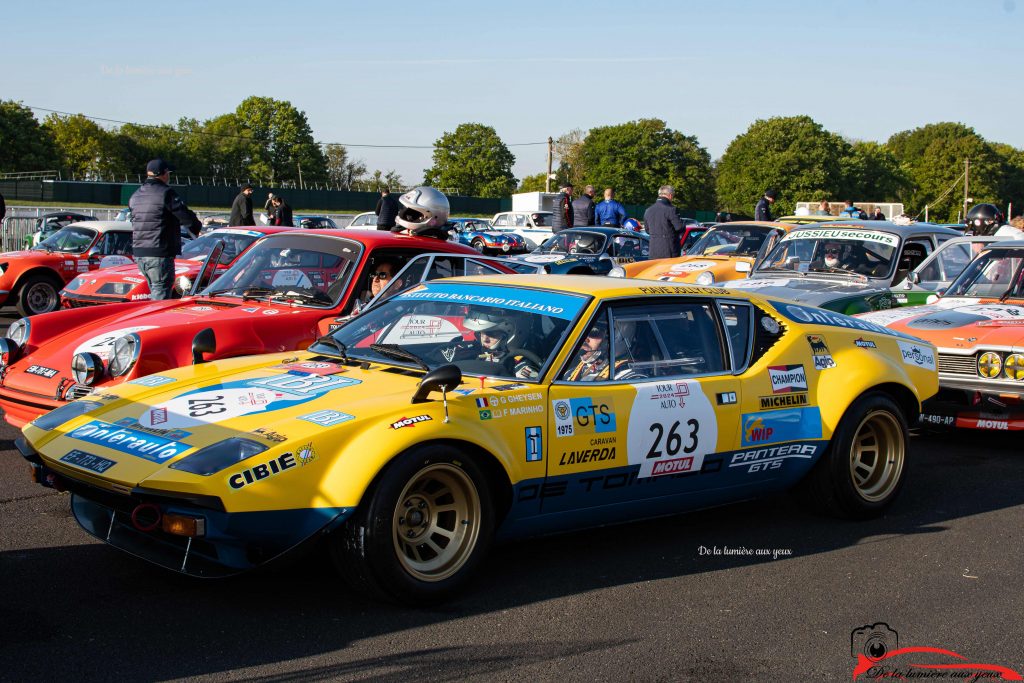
column 270, row 142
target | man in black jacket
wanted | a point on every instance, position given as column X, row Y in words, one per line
column 158, row 214
column 241, row 208
column 663, row 225
column 583, row 208
column 563, row 214
column 282, row 213
column 763, row 210
column 387, row 210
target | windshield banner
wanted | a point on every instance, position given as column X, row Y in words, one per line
column 564, row 306
column 843, row 234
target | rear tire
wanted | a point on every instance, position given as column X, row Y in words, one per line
column 422, row 529
column 863, row 470
column 38, row 294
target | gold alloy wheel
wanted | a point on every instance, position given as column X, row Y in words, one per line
column 877, row 455
column 436, row 522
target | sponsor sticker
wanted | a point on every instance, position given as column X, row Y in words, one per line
column 918, row 355
column 152, row 381
column 410, row 421
column 583, row 416
column 819, row 351
column 726, row 398
column 141, row 444
column 771, row 457
column 306, row 454
column 554, row 304
column 88, row 461
column 792, row 424
column 841, row 234
column 670, row 430
column 270, row 435
column 258, row 473
column 312, row 367
column 865, row 343
column 787, row 378
column 782, row 400
column 534, row 444
column 819, row 316
column 327, row 418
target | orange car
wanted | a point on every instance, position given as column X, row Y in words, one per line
column 978, row 327
column 728, row 251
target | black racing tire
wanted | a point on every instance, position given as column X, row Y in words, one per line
column 863, row 470
column 38, row 294
column 422, row 529
column 478, row 244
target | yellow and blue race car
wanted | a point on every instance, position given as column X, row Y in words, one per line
column 468, row 409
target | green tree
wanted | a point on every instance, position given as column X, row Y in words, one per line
column 533, row 183
column 341, row 170
column 1012, row 186
column 220, row 146
column 284, row 142
column 473, row 161
column 636, row 158
column 568, row 154
column 380, row 179
column 137, row 144
column 24, row 144
column 793, row 154
column 933, row 158
column 871, row 173
column 86, row 150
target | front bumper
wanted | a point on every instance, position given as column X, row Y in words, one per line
column 957, row 409
column 72, row 300
column 21, row 407
column 230, row 542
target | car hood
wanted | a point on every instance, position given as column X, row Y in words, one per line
column 166, row 330
column 268, row 400
column 809, row 290
column 688, row 268
column 959, row 323
column 38, row 255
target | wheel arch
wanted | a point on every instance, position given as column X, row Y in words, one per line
column 44, row 271
column 902, row 395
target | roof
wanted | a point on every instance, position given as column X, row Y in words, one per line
column 386, row 238
column 589, row 284
column 759, row 224
column 603, row 229
column 1008, row 244
column 881, row 226
column 102, row 226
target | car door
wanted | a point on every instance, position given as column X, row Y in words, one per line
column 649, row 426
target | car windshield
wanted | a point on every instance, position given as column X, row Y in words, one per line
column 844, row 251
column 235, row 242
column 489, row 330
column 300, row 268
column 573, row 242
column 542, row 218
column 731, row 240
column 72, row 240
column 994, row 274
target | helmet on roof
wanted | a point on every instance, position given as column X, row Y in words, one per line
column 632, row 224
column 984, row 219
column 423, row 208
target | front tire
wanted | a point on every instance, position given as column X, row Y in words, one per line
column 38, row 294
column 422, row 529
column 478, row 244
column 863, row 470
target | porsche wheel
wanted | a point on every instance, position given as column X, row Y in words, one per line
column 422, row 529
column 478, row 244
column 38, row 294
column 863, row 470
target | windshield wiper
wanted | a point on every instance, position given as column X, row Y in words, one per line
column 248, row 293
column 315, row 297
column 339, row 346
column 398, row 353
column 780, row 269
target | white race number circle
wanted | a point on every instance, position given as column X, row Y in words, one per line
column 672, row 426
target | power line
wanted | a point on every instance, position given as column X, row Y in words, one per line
column 242, row 137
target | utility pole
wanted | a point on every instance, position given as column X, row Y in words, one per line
column 967, row 176
column 299, row 164
column 547, row 178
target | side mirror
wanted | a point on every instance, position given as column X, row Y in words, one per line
column 439, row 379
column 207, row 273
column 915, row 278
column 742, row 267
column 204, row 342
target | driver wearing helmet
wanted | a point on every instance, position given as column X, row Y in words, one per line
column 987, row 219
column 593, row 363
column 424, row 212
column 493, row 333
column 585, row 244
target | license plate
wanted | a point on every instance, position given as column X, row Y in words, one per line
column 88, row 461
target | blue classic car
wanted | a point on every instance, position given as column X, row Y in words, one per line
column 590, row 250
column 479, row 234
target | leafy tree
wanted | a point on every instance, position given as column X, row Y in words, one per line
column 933, row 158
column 1012, row 185
column 793, row 154
column 474, row 161
column 533, row 183
column 638, row 157
column 24, row 145
column 284, row 141
column 85, row 149
column 381, row 179
column 871, row 173
column 221, row 146
column 341, row 170
column 568, row 153
column 138, row 144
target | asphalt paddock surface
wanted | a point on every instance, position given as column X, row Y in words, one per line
column 645, row 601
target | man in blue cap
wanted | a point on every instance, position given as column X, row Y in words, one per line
column 158, row 214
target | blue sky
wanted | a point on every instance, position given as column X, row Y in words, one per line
column 404, row 73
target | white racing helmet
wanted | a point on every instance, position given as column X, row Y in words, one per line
column 422, row 208
column 486, row 321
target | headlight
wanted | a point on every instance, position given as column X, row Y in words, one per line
column 124, row 354
column 214, row 458
column 183, row 284
column 8, row 351
column 18, row 331
column 617, row 271
column 119, row 288
column 75, row 284
column 67, row 412
column 705, row 278
column 87, row 368
column 989, row 364
column 1013, row 367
